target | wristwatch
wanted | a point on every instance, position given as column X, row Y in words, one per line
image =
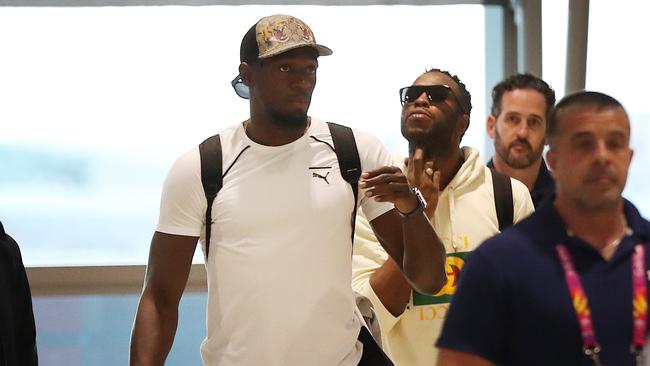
column 422, row 204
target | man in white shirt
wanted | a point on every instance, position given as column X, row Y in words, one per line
column 280, row 255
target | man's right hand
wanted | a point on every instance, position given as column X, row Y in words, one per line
column 424, row 176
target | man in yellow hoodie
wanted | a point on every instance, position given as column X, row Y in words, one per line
column 460, row 196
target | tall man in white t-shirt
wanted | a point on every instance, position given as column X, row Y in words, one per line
column 280, row 253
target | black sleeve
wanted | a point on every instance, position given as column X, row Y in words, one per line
column 19, row 331
column 477, row 314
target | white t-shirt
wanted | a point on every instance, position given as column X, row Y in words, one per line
column 280, row 256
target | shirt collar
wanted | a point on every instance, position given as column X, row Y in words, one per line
column 639, row 229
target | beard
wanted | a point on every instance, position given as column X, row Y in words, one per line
column 437, row 140
column 513, row 161
column 289, row 120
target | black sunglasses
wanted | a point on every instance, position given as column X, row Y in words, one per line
column 240, row 88
column 435, row 94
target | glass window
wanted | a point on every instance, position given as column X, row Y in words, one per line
column 99, row 101
column 617, row 64
column 96, row 329
column 554, row 42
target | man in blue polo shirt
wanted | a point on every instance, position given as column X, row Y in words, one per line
column 515, row 301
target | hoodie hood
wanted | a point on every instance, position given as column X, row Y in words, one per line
column 469, row 181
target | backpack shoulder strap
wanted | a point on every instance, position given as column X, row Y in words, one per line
column 345, row 147
column 502, row 199
column 211, row 178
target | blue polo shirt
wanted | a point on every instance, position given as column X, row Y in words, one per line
column 513, row 307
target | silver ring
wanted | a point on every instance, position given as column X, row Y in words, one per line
column 428, row 172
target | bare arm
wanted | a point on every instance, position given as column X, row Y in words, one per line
column 411, row 242
column 415, row 248
column 170, row 260
column 447, row 357
column 391, row 287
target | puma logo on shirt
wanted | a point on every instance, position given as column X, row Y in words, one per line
column 323, row 177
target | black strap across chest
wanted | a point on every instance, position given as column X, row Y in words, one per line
column 212, row 174
column 503, row 199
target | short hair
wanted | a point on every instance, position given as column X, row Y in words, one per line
column 521, row 81
column 593, row 99
column 465, row 98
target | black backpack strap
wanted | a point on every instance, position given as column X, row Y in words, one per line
column 347, row 154
column 211, row 178
column 502, row 199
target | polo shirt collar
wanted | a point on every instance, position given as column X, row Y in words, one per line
column 544, row 188
column 639, row 226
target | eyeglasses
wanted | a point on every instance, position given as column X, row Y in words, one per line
column 240, row 88
column 435, row 94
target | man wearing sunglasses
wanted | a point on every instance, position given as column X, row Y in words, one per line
column 279, row 260
column 460, row 204
column 517, row 124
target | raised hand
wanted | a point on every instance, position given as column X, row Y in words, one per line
column 423, row 175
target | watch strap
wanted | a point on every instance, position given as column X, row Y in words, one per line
column 422, row 204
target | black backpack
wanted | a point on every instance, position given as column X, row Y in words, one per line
column 345, row 148
column 347, row 154
column 212, row 174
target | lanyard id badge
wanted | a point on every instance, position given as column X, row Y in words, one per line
column 590, row 345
